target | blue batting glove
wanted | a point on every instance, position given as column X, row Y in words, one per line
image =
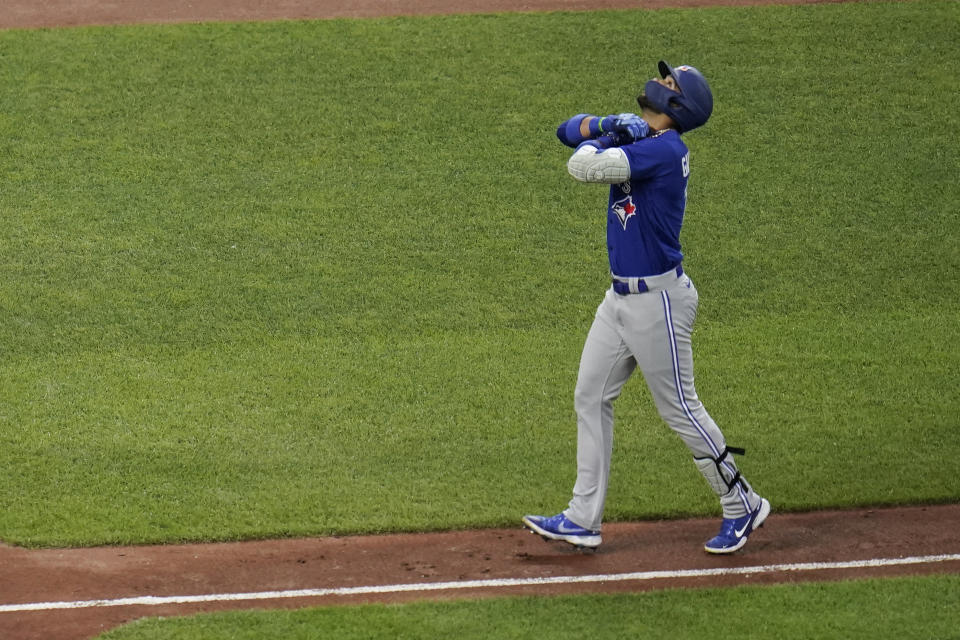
column 630, row 127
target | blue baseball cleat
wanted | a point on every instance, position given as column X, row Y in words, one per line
column 734, row 531
column 560, row 528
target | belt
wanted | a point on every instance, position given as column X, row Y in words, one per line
column 626, row 286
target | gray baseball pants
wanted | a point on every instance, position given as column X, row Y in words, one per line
column 649, row 330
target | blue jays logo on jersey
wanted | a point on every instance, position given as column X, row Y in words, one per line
column 624, row 210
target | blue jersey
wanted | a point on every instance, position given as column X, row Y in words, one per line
column 645, row 214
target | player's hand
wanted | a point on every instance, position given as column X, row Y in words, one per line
column 629, row 127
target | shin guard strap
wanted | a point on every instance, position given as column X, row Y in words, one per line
column 732, row 482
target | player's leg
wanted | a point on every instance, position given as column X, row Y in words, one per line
column 605, row 366
column 666, row 358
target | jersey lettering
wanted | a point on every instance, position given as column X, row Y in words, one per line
column 685, row 163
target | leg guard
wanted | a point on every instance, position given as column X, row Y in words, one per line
column 721, row 473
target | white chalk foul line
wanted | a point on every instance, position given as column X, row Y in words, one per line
column 476, row 584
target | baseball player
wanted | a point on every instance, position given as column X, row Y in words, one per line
column 646, row 317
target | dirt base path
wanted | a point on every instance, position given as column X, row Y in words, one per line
column 101, row 588
column 56, row 13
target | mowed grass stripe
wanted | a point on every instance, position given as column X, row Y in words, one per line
column 311, row 278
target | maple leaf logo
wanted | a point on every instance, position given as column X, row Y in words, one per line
column 624, row 209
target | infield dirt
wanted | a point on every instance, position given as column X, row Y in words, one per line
column 69, row 575
column 106, row 573
column 58, row 13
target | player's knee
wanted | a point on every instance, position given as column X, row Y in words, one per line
column 587, row 398
column 589, row 393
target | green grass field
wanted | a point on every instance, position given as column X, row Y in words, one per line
column 308, row 278
column 329, row 277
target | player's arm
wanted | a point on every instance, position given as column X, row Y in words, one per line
column 575, row 130
column 583, row 127
column 596, row 161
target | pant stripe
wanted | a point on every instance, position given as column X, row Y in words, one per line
column 675, row 357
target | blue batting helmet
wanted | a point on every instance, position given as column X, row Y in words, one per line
column 689, row 108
